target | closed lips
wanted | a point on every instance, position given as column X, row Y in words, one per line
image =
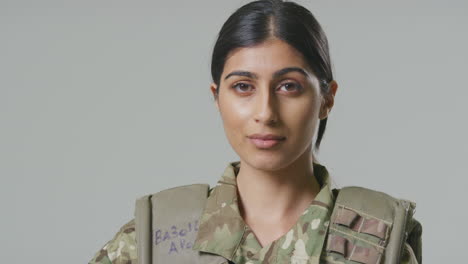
column 266, row 137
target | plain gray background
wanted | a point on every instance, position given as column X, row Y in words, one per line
column 102, row 102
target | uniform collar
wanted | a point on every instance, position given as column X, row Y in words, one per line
column 221, row 226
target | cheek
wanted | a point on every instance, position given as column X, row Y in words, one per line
column 234, row 116
column 302, row 117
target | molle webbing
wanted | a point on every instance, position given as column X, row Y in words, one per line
column 367, row 226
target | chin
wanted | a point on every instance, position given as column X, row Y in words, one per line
column 267, row 161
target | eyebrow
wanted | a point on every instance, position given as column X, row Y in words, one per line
column 275, row 74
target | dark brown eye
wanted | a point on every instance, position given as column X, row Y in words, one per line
column 242, row 87
column 291, row 87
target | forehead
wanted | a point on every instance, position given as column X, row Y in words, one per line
column 265, row 58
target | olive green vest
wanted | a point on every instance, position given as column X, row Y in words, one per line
column 366, row 226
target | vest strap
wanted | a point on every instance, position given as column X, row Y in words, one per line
column 350, row 251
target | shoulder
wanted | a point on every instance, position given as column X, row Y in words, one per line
column 384, row 222
column 120, row 249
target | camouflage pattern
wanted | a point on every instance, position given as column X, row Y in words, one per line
column 121, row 249
column 222, row 231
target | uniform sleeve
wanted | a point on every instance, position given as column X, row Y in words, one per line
column 412, row 251
column 408, row 256
column 121, row 249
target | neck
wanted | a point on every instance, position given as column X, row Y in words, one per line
column 276, row 196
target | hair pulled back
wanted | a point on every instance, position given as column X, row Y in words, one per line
column 257, row 21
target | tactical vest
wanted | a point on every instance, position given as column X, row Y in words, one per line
column 366, row 226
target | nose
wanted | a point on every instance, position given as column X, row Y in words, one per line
column 266, row 107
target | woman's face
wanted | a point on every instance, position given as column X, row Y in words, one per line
column 269, row 89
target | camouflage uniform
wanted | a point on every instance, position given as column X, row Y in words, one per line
column 222, row 231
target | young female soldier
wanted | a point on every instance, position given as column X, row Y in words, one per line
column 274, row 88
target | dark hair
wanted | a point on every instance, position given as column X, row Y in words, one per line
column 260, row 20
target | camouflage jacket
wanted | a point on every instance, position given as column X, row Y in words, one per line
column 222, row 231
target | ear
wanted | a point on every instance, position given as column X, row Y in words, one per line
column 213, row 87
column 328, row 100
